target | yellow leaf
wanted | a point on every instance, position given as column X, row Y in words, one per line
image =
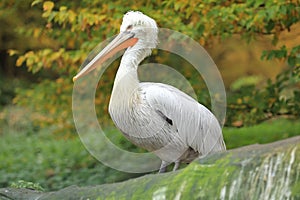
column 48, row 5
column 12, row 52
column 63, row 8
column 36, row 32
column 36, row 2
column 72, row 16
column 20, row 61
column 202, row 41
column 102, row 17
column 239, row 101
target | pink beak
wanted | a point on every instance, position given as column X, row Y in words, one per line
column 122, row 41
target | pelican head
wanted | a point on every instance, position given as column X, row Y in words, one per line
column 143, row 27
column 137, row 32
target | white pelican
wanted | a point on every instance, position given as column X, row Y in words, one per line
column 155, row 116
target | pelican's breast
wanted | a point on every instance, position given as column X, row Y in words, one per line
column 139, row 123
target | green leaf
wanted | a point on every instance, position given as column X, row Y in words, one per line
column 291, row 61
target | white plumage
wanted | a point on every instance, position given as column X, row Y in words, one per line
column 156, row 116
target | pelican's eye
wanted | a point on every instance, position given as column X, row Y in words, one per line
column 129, row 28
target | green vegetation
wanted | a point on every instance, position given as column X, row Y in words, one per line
column 28, row 185
column 240, row 174
column 67, row 31
column 49, row 40
column 269, row 131
column 55, row 163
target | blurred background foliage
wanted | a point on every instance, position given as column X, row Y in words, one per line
column 51, row 39
column 255, row 44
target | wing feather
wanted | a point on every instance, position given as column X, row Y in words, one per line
column 196, row 125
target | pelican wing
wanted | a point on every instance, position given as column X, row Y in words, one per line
column 196, row 125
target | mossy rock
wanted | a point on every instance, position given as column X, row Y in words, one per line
column 268, row 171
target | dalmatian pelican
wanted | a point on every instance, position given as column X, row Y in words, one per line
column 155, row 116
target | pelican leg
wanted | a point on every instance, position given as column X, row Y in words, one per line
column 176, row 165
column 163, row 167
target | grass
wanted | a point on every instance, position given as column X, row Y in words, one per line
column 57, row 163
column 269, row 131
column 53, row 163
